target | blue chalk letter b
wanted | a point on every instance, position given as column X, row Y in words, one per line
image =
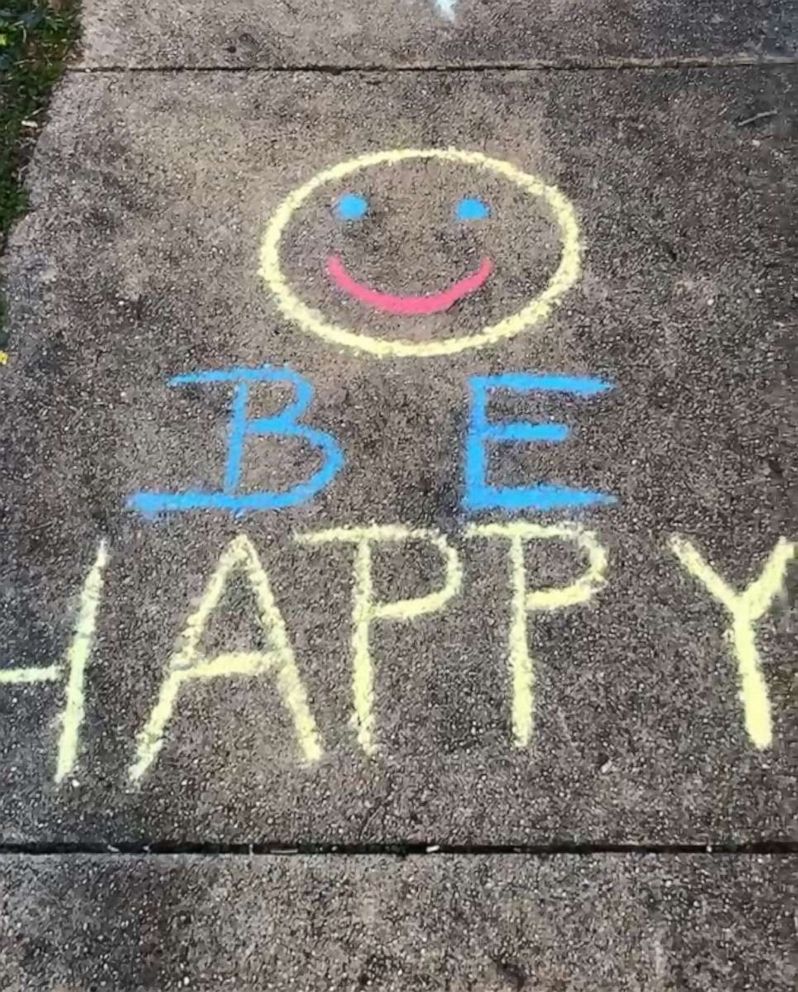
column 480, row 495
column 282, row 424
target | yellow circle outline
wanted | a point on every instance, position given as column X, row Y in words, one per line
column 536, row 310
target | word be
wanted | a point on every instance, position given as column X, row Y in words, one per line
column 188, row 664
column 479, row 494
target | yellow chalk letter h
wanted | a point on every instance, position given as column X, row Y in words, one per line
column 77, row 660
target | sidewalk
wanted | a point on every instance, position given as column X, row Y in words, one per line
column 398, row 462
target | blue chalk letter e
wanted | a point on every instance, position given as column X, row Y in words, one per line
column 283, row 424
column 479, row 493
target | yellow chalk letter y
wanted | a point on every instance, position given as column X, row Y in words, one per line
column 745, row 608
column 187, row 663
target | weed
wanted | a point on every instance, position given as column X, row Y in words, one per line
column 35, row 39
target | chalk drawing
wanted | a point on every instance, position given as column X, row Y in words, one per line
column 446, row 8
column 314, row 322
column 472, row 209
column 481, row 495
column 524, row 601
column 27, row 676
column 352, row 206
column 408, row 305
column 283, row 424
column 746, row 608
column 366, row 610
column 188, row 663
column 77, row 658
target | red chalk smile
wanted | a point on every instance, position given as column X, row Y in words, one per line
column 408, row 305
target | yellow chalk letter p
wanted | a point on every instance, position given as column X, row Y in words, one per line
column 746, row 608
column 366, row 609
column 525, row 601
column 188, row 663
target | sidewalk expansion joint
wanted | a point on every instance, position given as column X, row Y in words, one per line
column 398, row 850
column 602, row 65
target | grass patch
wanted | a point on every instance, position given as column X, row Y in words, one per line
column 35, row 39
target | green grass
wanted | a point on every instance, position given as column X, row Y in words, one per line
column 35, row 39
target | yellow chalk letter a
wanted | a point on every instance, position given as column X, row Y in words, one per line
column 187, row 663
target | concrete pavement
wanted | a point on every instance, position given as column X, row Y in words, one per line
column 143, row 253
column 478, row 924
column 431, row 32
column 396, row 459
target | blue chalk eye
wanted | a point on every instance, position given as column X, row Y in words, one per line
column 472, row 209
column 352, row 206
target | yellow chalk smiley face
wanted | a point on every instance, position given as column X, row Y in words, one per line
column 312, row 320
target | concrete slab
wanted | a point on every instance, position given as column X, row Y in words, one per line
column 500, row 924
column 428, row 32
column 624, row 711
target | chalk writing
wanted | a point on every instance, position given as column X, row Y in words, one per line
column 479, row 494
column 746, row 608
column 366, row 609
column 524, row 601
column 283, row 424
column 77, row 659
column 315, row 322
column 239, row 558
column 187, row 663
column 446, row 8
